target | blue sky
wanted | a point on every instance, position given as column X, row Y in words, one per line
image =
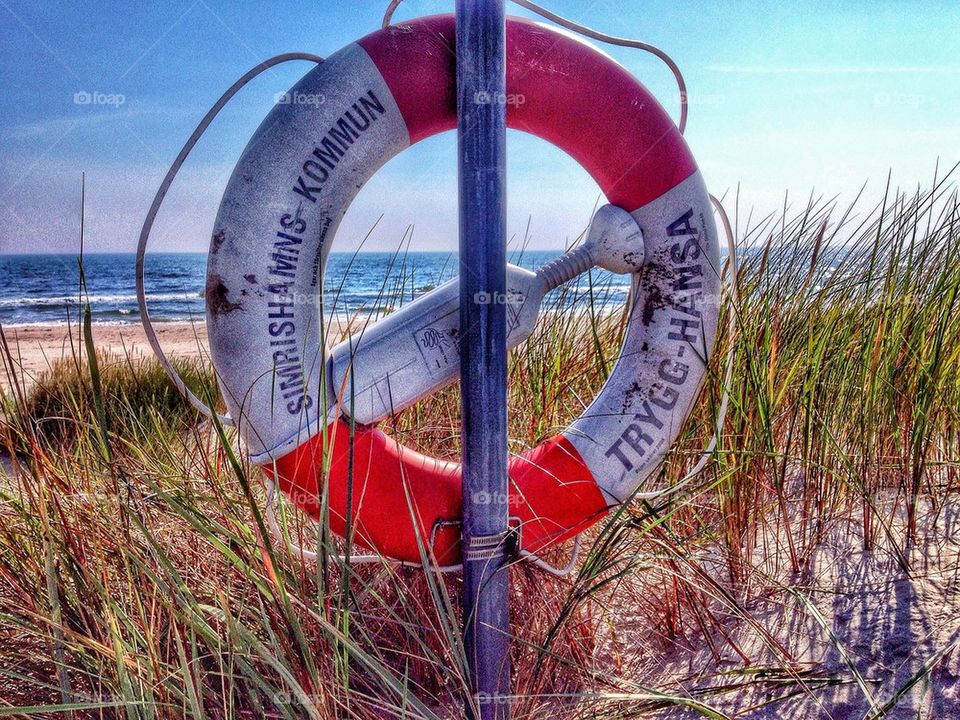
column 783, row 97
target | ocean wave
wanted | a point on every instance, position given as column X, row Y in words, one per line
column 38, row 291
column 72, row 300
column 63, row 323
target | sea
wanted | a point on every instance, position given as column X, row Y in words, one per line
column 46, row 289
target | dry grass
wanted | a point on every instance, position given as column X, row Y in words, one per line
column 136, row 578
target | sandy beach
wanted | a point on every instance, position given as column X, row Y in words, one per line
column 34, row 349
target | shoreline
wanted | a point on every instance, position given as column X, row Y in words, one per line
column 34, row 349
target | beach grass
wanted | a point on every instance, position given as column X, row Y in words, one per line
column 137, row 577
column 140, row 405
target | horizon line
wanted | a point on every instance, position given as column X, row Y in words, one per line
column 204, row 252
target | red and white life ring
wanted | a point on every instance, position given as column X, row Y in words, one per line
column 276, row 225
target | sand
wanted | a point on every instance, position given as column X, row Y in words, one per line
column 34, row 349
column 886, row 621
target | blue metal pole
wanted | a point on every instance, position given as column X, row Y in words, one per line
column 481, row 137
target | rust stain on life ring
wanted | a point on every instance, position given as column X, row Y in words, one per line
column 216, row 295
column 216, row 242
column 653, row 295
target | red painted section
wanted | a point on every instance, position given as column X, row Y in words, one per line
column 417, row 62
column 566, row 92
column 398, row 492
column 553, row 494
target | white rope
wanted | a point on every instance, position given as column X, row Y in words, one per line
column 309, row 556
column 731, row 266
column 593, row 35
column 297, row 550
column 271, row 503
column 728, row 374
column 155, row 208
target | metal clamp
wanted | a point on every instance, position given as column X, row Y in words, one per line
column 483, row 548
column 514, row 536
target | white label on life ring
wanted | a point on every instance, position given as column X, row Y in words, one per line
column 278, row 217
column 626, row 431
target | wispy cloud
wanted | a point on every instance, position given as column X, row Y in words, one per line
column 59, row 125
column 836, row 69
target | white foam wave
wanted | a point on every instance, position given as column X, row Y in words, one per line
column 71, row 300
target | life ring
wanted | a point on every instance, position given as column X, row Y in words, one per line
column 276, row 224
